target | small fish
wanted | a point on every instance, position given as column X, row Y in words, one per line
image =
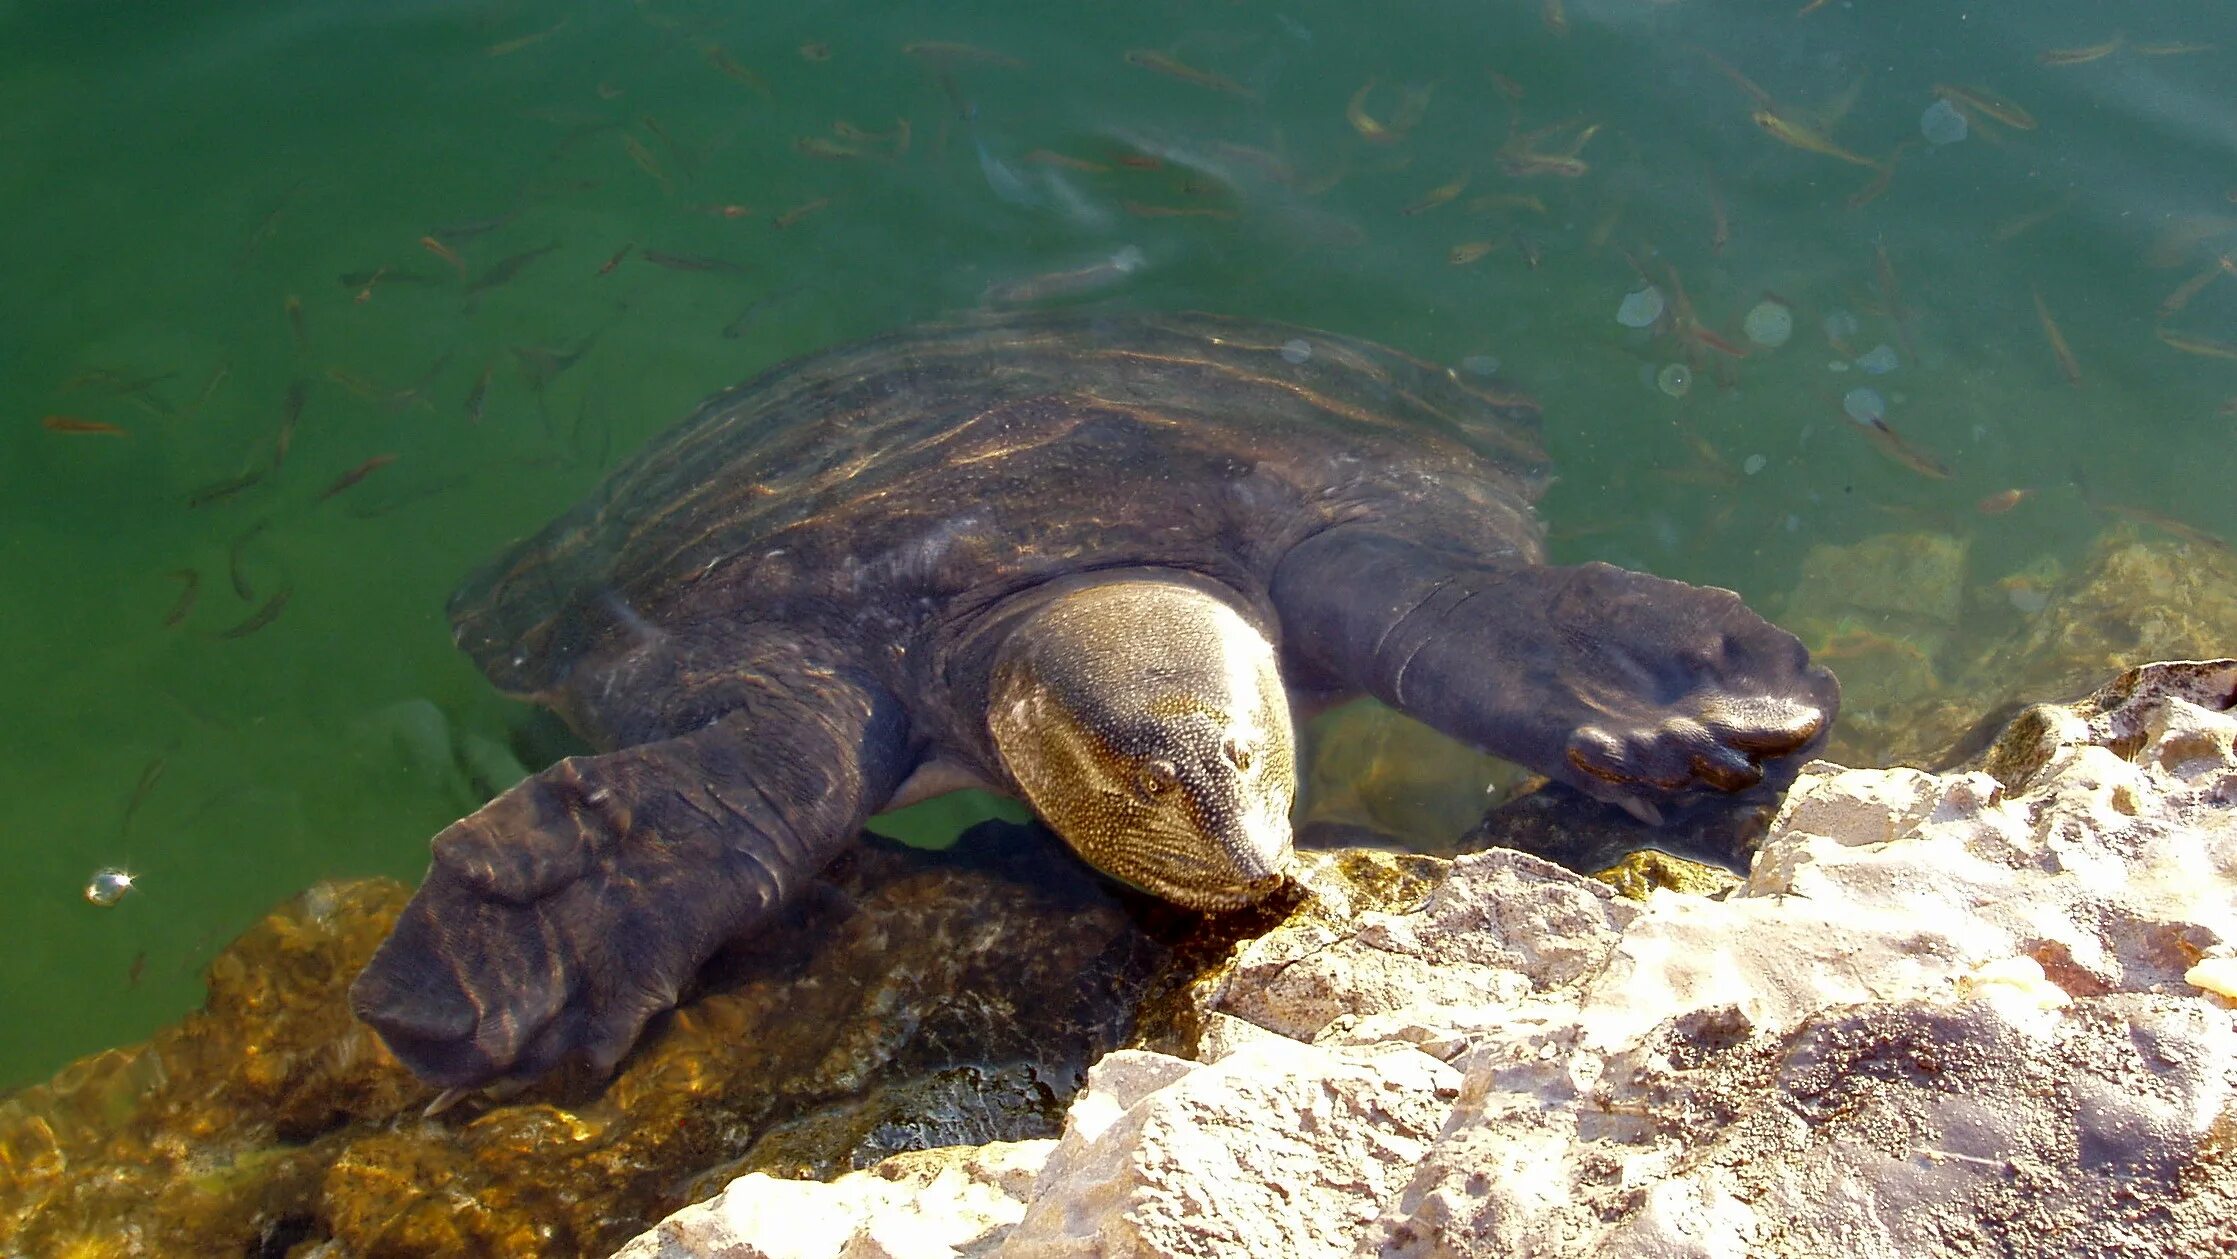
column 383, row 275
column 138, row 967
column 263, row 616
column 1493, row 201
column 1524, row 165
column 444, row 252
column 1470, row 251
column 799, row 212
column 291, row 410
column 1437, row 196
column 1720, row 227
column 1141, row 161
column 1049, row 157
column 268, row 225
column 1160, row 63
column 1807, row 138
column 295, row 322
column 2171, row 49
column 112, row 380
column 236, row 560
column 1555, row 16
column 737, row 327
column 452, row 233
column 815, row 52
column 225, row 489
column 82, row 426
column 355, row 475
column 830, row 150
column 1891, row 297
column 730, row 211
column 505, row 269
column 691, row 262
column 355, row 383
column 2012, row 228
column 728, row 65
column 2189, row 344
column 2081, row 56
column 1891, row 443
column 2002, row 501
column 615, row 261
column 894, row 142
column 1145, row 210
column 947, row 53
column 646, row 162
column 149, row 777
column 1364, row 123
column 1988, row 104
column 2196, row 284
column 1070, row 282
column 209, row 390
column 2066, row 361
column 190, row 589
column 479, row 394
column 2165, row 523
column 685, row 157
column 540, row 365
column 365, row 294
column 511, row 46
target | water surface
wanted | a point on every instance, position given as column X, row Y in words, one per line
column 212, row 208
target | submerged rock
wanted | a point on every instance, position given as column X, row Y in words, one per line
column 1369, row 768
column 911, row 1000
column 1931, row 670
column 1946, row 1014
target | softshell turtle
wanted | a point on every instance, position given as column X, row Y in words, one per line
column 1082, row 559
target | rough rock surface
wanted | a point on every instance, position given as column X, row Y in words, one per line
column 911, row 1000
column 1944, row 1015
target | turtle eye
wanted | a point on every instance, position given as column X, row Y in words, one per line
column 1237, row 752
column 1156, row 778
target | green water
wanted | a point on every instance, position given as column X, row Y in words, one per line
column 177, row 175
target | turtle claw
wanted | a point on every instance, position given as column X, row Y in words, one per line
column 1631, row 688
column 1678, row 689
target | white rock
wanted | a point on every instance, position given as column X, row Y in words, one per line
column 935, row 1204
column 1946, row 1014
column 1278, row 1149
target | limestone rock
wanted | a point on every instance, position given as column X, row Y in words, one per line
column 930, row 1204
column 1279, row 1148
column 1945, row 1014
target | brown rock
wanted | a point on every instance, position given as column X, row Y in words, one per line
column 914, row 1000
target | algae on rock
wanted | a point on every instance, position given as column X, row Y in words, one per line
column 909, row 999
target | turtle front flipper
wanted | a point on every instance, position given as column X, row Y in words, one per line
column 1633, row 689
column 566, row 912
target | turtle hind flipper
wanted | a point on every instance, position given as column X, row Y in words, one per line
column 564, row 914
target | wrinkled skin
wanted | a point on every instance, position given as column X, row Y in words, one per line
column 788, row 606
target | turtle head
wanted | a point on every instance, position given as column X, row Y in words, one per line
column 1146, row 723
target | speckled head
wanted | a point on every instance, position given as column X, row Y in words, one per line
column 1146, row 723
